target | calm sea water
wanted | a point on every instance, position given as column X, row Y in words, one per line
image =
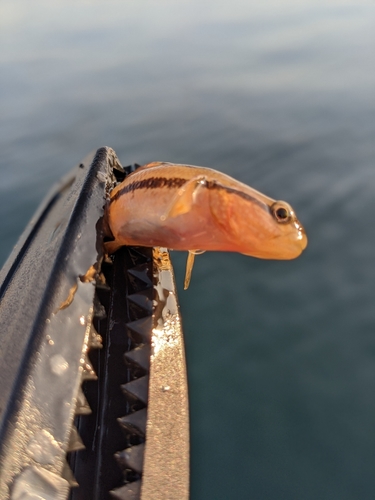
column 281, row 355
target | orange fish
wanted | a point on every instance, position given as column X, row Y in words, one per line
column 183, row 207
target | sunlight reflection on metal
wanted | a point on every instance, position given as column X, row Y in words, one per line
column 166, row 460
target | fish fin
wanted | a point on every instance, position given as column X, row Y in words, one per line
column 160, row 164
column 152, row 164
column 184, row 199
column 148, row 165
column 189, row 266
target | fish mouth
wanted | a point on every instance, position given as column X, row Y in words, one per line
column 291, row 250
column 296, row 245
column 295, row 240
column 288, row 246
column 304, row 241
column 279, row 249
column 301, row 235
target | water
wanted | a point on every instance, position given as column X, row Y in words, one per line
column 281, row 355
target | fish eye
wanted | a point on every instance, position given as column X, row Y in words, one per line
column 281, row 212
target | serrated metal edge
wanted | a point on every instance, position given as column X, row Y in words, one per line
column 135, row 422
column 82, row 405
column 131, row 491
column 140, row 356
column 68, row 475
column 75, row 441
column 137, row 388
column 131, row 457
column 142, row 300
column 167, row 430
column 142, row 327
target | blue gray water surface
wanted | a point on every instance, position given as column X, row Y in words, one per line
column 281, row 355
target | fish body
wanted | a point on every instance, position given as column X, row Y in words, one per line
column 183, row 207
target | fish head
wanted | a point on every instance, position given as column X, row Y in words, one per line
column 273, row 232
column 257, row 225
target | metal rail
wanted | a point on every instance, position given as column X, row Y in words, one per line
column 93, row 395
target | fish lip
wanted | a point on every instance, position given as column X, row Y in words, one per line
column 297, row 243
column 301, row 233
column 297, row 235
column 285, row 251
column 304, row 241
column 302, row 237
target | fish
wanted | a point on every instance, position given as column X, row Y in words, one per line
column 197, row 209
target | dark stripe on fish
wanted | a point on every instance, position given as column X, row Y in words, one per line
column 150, row 183
column 178, row 182
column 241, row 194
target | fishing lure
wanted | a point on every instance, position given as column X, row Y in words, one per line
column 183, row 207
